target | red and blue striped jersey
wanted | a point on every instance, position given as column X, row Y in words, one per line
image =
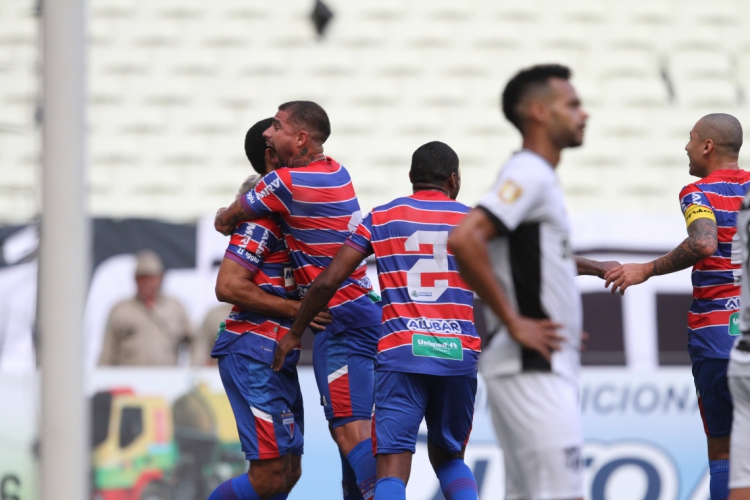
column 713, row 320
column 428, row 310
column 319, row 210
column 259, row 247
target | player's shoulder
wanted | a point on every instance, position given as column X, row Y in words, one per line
column 267, row 223
column 525, row 166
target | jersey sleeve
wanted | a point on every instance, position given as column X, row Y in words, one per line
column 273, row 194
column 695, row 205
column 361, row 238
column 511, row 200
column 250, row 244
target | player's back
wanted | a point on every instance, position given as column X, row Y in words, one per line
column 320, row 209
column 428, row 316
column 259, row 246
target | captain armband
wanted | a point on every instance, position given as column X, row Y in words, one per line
column 695, row 212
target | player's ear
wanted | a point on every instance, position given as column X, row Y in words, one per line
column 536, row 111
column 302, row 138
column 708, row 146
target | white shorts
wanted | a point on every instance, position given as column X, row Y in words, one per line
column 739, row 448
column 537, row 419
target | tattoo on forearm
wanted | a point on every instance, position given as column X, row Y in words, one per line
column 702, row 235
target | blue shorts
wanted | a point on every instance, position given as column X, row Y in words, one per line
column 403, row 399
column 267, row 406
column 344, row 365
column 714, row 399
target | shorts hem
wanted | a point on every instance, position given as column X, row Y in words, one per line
column 719, row 434
column 271, row 456
column 338, row 421
column 394, row 451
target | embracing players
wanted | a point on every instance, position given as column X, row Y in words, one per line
column 710, row 208
column 315, row 200
column 267, row 405
column 428, row 347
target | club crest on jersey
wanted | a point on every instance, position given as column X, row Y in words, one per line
column 287, row 418
column 509, row 192
column 433, row 325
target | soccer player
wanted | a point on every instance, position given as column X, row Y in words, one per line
column 738, row 373
column 316, row 201
column 428, row 347
column 710, row 207
column 267, row 405
column 514, row 251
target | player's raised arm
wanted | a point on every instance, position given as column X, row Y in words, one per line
column 701, row 242
column 469, row 244
column 322, row 290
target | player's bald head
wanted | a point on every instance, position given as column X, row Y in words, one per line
column 724, row 131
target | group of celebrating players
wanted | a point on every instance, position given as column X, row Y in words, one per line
column 296, row 260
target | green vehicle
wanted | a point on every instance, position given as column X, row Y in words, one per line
column 146, row 449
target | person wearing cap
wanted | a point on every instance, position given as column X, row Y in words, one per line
column 148, row 329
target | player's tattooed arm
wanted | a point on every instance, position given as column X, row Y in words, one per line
column 227, row 218
column 588, row 267
column 701, row 242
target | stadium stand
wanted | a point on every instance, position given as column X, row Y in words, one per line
column 173, row 85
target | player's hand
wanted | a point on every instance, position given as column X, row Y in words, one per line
column 321, row 321
column 606, row 266
column 537, row 334
column 286, row 344
column 626, row 275
column 584, row 338
column 220, row 226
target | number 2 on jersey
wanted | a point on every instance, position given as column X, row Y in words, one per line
column 437, row 264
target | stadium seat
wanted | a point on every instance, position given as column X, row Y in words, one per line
column 715, row 94
column 637, row 92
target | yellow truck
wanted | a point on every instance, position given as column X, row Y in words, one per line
column 146, row 449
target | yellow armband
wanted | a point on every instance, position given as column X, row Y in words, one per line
column 695, row 212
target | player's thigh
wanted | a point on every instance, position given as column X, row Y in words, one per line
column 739, row 472
column 262, row 401
column 538, row 421
column 449, row 413
column 714, row 399
column 400, row 403
column 344, row 365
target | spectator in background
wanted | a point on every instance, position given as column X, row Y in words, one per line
column 150, row 328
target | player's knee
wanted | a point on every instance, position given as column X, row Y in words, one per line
column 295, row 472
column 438, row 456
column 270, row 477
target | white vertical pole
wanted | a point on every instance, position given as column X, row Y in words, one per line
column 63, row 255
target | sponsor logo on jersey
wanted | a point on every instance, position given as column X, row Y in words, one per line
column 289, row 277
column 509, row 192
column 732, row 303
column 433, row 325
column 437, row 347
column 734, row 324
column 270, row 188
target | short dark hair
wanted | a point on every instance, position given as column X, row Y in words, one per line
column 255, row 145
column 309, row 116
column 433, row 164
column 524, row 81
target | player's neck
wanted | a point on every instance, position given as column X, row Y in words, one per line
column 428, row 187
column 305, row 157
column 724, row 164
column 543, row 147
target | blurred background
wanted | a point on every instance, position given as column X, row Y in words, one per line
column 173, row 85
